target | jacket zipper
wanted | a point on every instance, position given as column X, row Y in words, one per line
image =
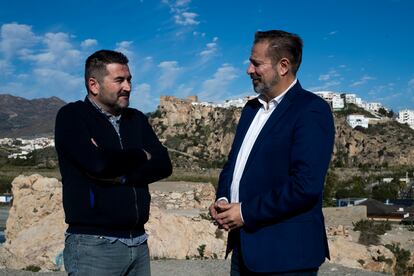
column 133, row 188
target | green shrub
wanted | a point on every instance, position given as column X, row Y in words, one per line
column 201, row 250
column 402, row 257
column 32, row 268
column 370, row 231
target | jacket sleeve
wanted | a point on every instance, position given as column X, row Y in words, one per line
column 310, row 154
column 158, row 167
column 73, row 144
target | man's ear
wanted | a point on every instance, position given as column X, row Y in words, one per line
column 93, row 86
column 284, row 66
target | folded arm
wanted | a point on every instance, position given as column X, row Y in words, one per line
column 74, row 142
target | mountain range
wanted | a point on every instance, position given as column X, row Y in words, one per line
column 20, row 117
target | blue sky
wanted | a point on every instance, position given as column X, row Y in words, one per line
column 200, row 47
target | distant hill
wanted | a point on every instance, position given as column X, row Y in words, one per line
column 20, row 117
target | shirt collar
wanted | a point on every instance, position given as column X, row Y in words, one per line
column 276, row 100
column 100, row 109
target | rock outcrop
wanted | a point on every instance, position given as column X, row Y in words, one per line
column 346, row 252
column 179, row 226
column 35, row 227
column 196, row 135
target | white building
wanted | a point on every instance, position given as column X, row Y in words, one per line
column 338, row 103
column 406, row 116
column 327, row 95
column 357, row 120
column 26, row 146
column 228, row 103
column 351, row 98
column 358, row 101
column 372, row 106
column 333, row 98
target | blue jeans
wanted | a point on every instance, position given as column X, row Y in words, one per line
column 238, row 268
column 93, row 255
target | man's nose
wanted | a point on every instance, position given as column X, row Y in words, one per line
column 250, row 69
column 127, row 86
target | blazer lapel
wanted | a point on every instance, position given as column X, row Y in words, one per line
column 245, row 121
column 281, row 108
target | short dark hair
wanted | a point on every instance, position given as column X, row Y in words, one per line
column 282, row 44
column 95, row 65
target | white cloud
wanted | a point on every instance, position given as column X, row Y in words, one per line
column 181, row 14
column 125, row 47
column 216, row 88
column 182, row 3
column 333, row 33
column 48, row 64
column 186, row 18
column 16, row 37
column 362, row 81
column 210, row 49
column 60, row 78
column 57, row 41
column 169, row 73
column 89, row 43
column 62, row 84
column 58, row 54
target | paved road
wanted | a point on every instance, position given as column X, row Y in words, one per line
column 203, row 268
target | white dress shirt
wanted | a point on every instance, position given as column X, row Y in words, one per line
column 253, row 132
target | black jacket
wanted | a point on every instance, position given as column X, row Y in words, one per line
column 94, row 200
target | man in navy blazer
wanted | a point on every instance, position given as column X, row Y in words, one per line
column 270, row 190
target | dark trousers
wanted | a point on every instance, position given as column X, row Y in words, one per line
column 238, row 268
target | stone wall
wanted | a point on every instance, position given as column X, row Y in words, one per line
column 181, row 195
column 344, row 215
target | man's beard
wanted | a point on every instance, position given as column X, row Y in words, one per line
column 265, row 87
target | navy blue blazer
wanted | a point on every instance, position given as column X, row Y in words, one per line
column 282, row 183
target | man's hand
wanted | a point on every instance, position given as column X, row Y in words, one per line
column 215, row 208
column 229, row 216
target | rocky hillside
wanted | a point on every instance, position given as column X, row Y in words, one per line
column 196, row 135
column 199, row 135
column 20, row 117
